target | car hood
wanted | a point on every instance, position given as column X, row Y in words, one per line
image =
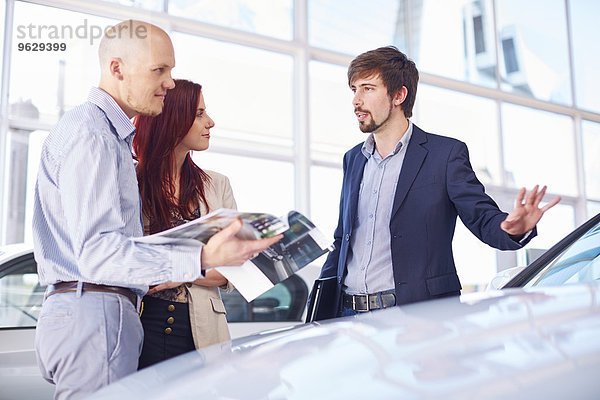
column 537, row 343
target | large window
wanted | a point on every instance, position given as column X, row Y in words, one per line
column 539, row 149
column 333, row 128
column 519, row 89
column 534, row 56
column 44, row 84
column 353, row 27
column 584, row 30
column 259, row 185
column 591, row 158
column 455, row 39
column 265, row 17
column 248, row 92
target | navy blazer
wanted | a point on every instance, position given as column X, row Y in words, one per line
column 436, row 184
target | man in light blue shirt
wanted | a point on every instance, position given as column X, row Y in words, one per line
column 402, row 191
column 86, row 212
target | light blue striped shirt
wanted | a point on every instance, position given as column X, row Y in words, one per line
column 370, row 259
column 87, row 206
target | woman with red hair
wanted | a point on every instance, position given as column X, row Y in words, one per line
column 175, row 190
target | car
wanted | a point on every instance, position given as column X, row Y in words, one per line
column 21, row 297
column 531, row 343
column 20, row 304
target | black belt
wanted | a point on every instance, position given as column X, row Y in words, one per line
column 63, row 287
column 368, row 302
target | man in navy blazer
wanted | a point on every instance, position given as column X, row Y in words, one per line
column 402, row 191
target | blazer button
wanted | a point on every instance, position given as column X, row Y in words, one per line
column 168, row 331
column 170, row 320
column 347, row 237
column 171, row 307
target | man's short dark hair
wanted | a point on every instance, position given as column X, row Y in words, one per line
column 394, row 68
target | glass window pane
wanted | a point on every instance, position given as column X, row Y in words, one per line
column 585, row 36
column 333, row 126
column 259, row 185
column 443, row 112
column 248, row 92
column 23, row 153
column 593, row 208
column 284, row 302
column 591, row 158
column 475, row 261
column 2, row 17
column 44, row 84
column 533, row 51
column 538, row 149
column 455, row 39
column 325, row 189
column 21, row 297
column 155, row 5
column 353, row 26
column 557, row 223
column 578, row 263
column 265, row 17
column 34, row 151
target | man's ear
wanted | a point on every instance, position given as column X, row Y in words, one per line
column 400, row 96
column 116, row 68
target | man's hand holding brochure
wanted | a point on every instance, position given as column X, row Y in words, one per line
column 302, row 243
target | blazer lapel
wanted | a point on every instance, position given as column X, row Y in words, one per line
column 356, row 167
column 415, row 155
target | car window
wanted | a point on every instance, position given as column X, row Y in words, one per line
column 21, row 295
column 578, row 263
column 284, row 302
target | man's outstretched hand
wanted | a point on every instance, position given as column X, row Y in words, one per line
column 526, row 214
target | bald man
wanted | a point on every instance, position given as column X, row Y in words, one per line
column 87, row 209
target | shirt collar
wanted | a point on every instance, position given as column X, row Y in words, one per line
column 368, row 147
column 114, row 113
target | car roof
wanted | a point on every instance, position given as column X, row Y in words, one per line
column 12, row 251
column 533, row 343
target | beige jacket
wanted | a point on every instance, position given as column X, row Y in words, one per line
column 207, row 311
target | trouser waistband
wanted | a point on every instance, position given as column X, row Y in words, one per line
column 64, row 287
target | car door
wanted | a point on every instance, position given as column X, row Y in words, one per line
column 21, row 298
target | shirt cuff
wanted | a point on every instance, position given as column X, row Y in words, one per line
column 186, row 263
column 521, row 238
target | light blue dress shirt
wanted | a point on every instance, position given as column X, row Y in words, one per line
column 370, row 256
column 87, row 206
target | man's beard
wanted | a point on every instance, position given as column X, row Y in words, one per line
column 372, row 126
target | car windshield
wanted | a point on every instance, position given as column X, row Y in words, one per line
column 578, row 263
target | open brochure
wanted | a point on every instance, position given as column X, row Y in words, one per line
column 301, row 244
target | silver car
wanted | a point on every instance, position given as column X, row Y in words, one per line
column 537, row 343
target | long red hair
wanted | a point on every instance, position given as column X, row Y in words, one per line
column 154, row 146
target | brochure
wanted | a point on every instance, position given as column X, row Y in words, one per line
column 301, row 244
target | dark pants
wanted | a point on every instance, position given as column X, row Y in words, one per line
column 167, row 330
